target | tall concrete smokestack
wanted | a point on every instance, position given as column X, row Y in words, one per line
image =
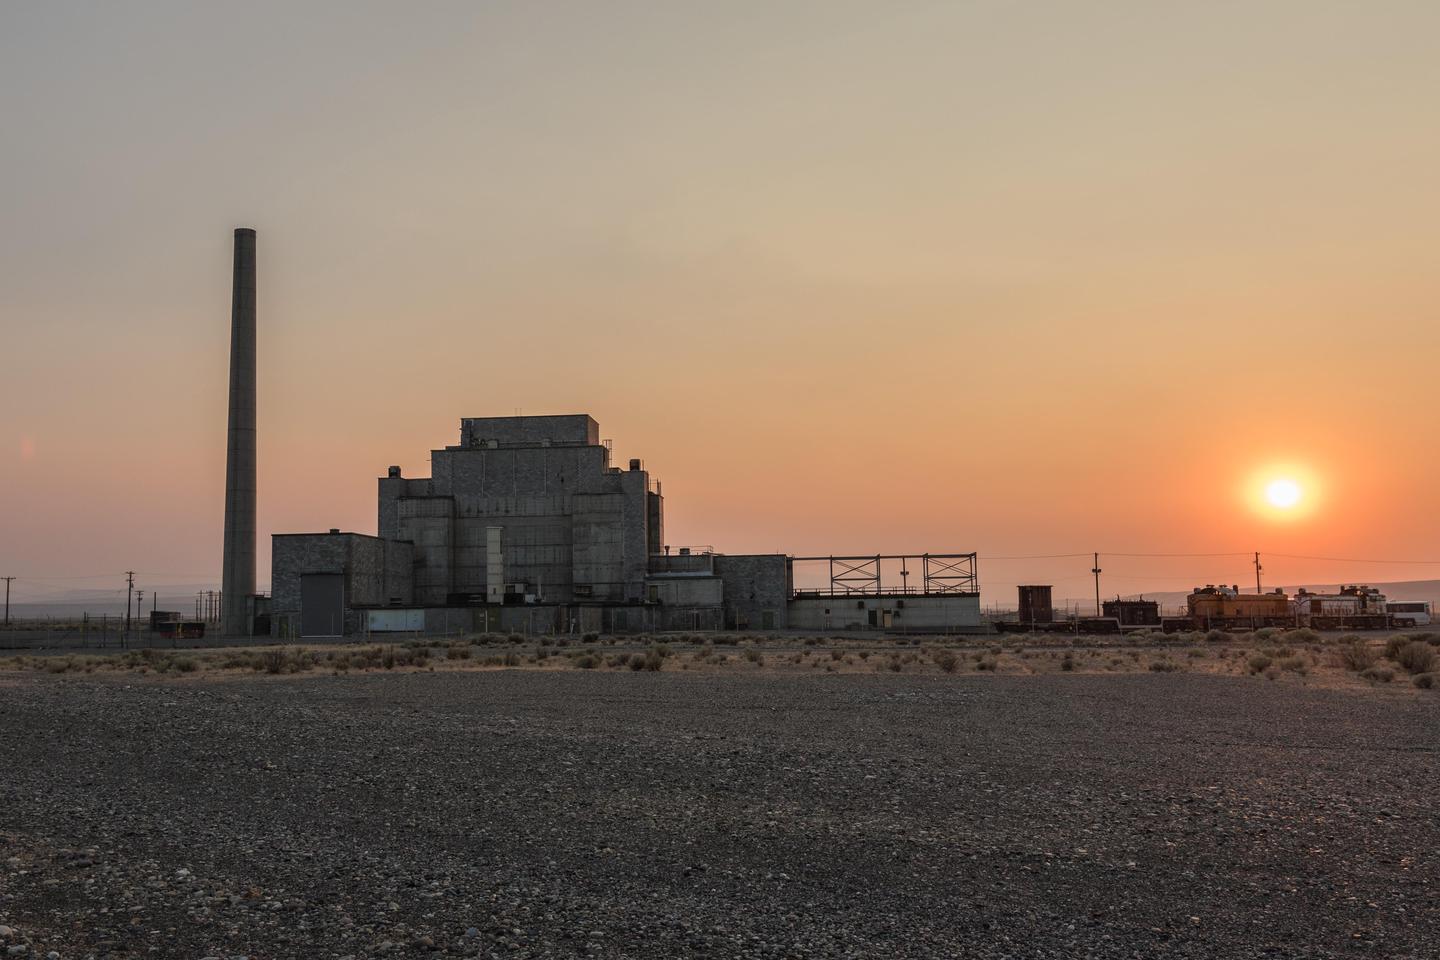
column 238, row 573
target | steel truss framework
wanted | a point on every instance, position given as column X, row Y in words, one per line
column 941, row 573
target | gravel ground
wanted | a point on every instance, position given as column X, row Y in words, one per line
column 527, row 814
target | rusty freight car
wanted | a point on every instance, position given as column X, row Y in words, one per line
column 1226, row 608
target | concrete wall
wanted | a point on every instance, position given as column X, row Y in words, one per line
column 428, row 523
column 598, row 559
column 392, row 489
column 655, row 523
column 951, row 613
column 376, row 571
column 687, row 591
column 635, row 541
column 568, row 428
column 567, row 518
column 757, row 590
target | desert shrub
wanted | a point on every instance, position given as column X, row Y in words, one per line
column 1379, row 674
column 1067, row 662
column 1357, row 655
column 836, row 653
column 864, row 654
column 1294, row 664
column 620, row 660
column 1196, row 653
column 184, row 664
column 1431, row 638
column 945, row 660
column 1425, row 681
column 1394, row 645
column 754, row 656
column 587, row 661
column 1264, row 633
column 1301, row 635
column 272, row 660
column 653, row 660
column 1417, row 656
column 1259, row 663
column 984, row 663
column 1219, row 636
column 512, row 659
column 1164, row 665
column 811, row 641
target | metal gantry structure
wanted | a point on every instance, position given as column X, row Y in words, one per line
column 940, row 573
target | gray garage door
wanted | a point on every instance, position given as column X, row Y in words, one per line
column 322, row 605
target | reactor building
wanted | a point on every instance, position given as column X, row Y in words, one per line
column 526, row 525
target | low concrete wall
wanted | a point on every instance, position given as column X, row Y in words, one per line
column 953, row 613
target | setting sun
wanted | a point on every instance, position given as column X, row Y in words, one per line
column 1285, row 490
column 1283, row 493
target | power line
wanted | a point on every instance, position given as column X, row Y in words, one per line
column 1241, row 553
column 1047, row 556
column 1416, row 563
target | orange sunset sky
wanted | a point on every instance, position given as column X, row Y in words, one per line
column 1020, row 278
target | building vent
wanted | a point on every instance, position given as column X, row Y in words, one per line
column 394, row 473
column 334, row 529
column 634, row 464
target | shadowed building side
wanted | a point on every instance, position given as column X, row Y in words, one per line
column 238, row 570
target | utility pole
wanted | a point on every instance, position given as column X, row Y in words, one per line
column 7, row 599
column 1258, row 568
column 129, row 588
column 1096, row 570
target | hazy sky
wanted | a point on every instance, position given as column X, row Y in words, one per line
column 1021, row 278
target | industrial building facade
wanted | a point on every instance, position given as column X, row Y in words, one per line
column 526, row 525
